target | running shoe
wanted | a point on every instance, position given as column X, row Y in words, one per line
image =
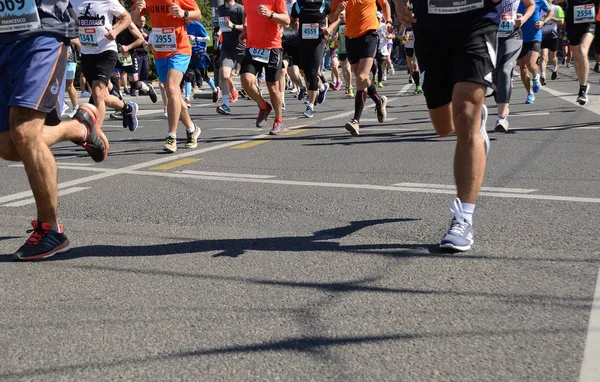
column 530, row 99
column 44, row 242
column 301, row 94
column 309, row 113
column 95, row 142
column 216, row 94
column 554, row 75
column 263, row 114
column 351, row 92
column 597, row 67
column 152, row 93
column 233, row 96
column 582, row 98
column 64, row 109
column 322, row 94
column 243, row 94
column 384, row 78
column 410, row 79
column 278, row 128
column 283, row 104
column 460, row 235
column 130, row 120
column 380, row 84
column 501, row 125
column 564, row 61
column 224, row 110
column 170, row 144
column 133, row 92
column 72, row 114
column 117, row 115
column 381, row 111
column 536, row 85
column 165, row 114
column 543, row 80
column 192, row 138
column 569, row 65
column 353, row 127
column 187, row 103
column 338, row 85
column 483, row 129
column 418, row 90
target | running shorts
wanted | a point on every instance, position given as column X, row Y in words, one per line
column 409, row 52
column 230, row 59
column 179, row 62
column 531, row 46
column 272, row 67
column 456, row 56
column 31, row 76
column 364, row 46
column 576, row 31
column 71, row 69
column 98, row 67
column 128, row 64
column 550, row 44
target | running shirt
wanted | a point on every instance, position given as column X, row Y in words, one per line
column 127, row 38
column 507, row 9
column 361, row 16
column 168, row 32
column 530, row 32
column 342, row 39
column 550, row 29
column 581, row 11
column 196, row 29
column 235, row 14
column 382, row 33
column 311, row 16
column 447, row 15
column 50, row 17
column 72, row 55
column 94, row 19
column 262, row 32
column 410, row 42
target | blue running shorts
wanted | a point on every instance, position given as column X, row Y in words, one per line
column 179, row 62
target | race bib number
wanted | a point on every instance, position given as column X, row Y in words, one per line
column 260, row 55
column 453, row 6
column 507, row 24
column 310, row 31
column 125, row 60
column 584, row 13
column 223, row 24
column 88, row 36
column 164, row 39
column 18, row 15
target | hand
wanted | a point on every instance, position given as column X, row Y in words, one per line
column 264, row 11
column 141, row 5
column 124, row 49
column 519, row 20
column 325, row 32
column 539, row 25
column 110, row 34
column 176, row 10
column 342, row 6
column 229, row 23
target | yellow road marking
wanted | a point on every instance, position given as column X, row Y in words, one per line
column 177, row 163
column 249, row 144
column 294, row 132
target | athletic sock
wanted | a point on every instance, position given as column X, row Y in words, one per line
column 372, row 91
column 143, row 86
column 190, row 129
column 359, row 104
column 171, row 135
column 226, row 99
column 417, row 78
column 188, row 90
column 468, row 211
column 211, row 83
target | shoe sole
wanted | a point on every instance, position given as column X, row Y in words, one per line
column 351, row 129
column 169, row 150
column 222, row 112
column 383, row 116
column 197, row 134
column 455, row 248
column 307, row 116
column 64, row 247
column 500, row 129
column 279, row 132
column 152, row 94
column 93, row 111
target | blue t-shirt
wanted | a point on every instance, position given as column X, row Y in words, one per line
column 196, row 29
column 530, row 32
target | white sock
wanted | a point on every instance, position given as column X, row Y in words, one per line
column 144, row 87
column 85, row 132
column 543, row 74
column 468, row 210
column 322, row 88
column 554, row 69
column 537, row 76
column 190, row 129
column 172, row 135
column 312, row 106
column 283, row 96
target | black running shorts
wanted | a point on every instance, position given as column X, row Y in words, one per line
column 364, row 46
column 532, row 46
column 576, row 31
column 550, row 44
column 98, row 67
column 129, row 67
column 446, row 59
column 272, row 67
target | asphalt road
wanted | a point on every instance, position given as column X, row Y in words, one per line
column 313, row 256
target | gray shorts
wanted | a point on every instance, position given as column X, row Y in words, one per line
column 230, row 59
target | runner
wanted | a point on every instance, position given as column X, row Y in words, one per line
column 462, row 36
column 70, row 77
column 343, row 55
column 291, row 54
column 263, row 51
column 382, row 51
column 142, row 51
column 550, row 42
column 408, row 38
column 231, row 24
column 33, row 61
column 97, row 35
column 172, row 53
column 199, row 62
column 581, row 26
column 510, row 43
column 532, row 45
column 361, row 42
column 312, row 19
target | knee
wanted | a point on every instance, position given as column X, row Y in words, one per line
column 99, row 94
column 466, row 115
column 189, row 77
column 7, row 148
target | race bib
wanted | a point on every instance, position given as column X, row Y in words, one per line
column 384, row 51
column 223, row 24
column 125, row 60
column 453, row 6
column 584, row 13
column 88, row 36
column 507, row 24
column 260, row 55
column 164, row 39
column 310, row 31
column 18, row 15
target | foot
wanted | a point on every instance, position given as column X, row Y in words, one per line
column 263, row 115
column 380, row 84
column 597, row 67
column 152, row 93
column 130, row 119
column 170, row 145
column 216, row 94
column 233, row 96
column 188, row 103
column 501, row 125
column 381, row 111
column 530, row 99
column 224, row 110
column 301, row 94
column 410, row 80
column 353, row 127
column 95, row 142
column 309, row 112
column 418, row 90
column 483, row 130
column 117, row 115
column 460, row 235
column 44, row 242
column 278, row 128
column 554, row 75
column 582, row 98
column 322, row 94
column 536, row 85
column 192, row 138
column 351, row 92
column 543, row 80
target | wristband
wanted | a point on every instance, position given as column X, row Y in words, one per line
column 272, row 14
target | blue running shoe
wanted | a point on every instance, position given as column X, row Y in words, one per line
column 537, row 86
column 530, row 99
column 130, row 120
column 301, row 94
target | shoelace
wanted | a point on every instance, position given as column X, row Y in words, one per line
column 170, row 140
column 37, row 234
column 459, row 224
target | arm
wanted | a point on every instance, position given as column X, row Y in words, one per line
column 136, row 12
column 335, row 14
column 281, row 18
column 122, row 23
column 139, row 39
column 530, row 4
column 385, row 8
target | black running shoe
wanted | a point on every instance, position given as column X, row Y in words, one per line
column 322, row 94
column 301, row 94
column 597, row 67
column 152, row 93
column 95, row 142
column 43, row 243
column 554, row 75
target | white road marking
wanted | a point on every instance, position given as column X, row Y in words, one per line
column 525, row 114
column 348, row 113
column 453, row 187
column 375, row 119
column 25, row 202
column 404, row 89
column 226, row 174
column 590, row 368
column 592, row 105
